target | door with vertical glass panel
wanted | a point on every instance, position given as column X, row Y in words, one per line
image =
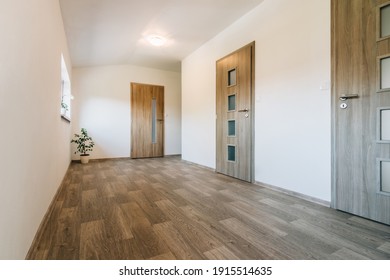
column 147, row 121
column 235, row 114
column 361, row 107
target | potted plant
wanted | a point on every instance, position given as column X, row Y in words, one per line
column 64, row 108
column 84, row 145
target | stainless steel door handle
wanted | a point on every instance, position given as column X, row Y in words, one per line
column 246, row 110
column 348, row 96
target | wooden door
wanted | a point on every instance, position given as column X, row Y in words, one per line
column 235, row 115
column 147, row 121
column 361, row 108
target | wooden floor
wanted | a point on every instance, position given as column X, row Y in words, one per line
column 169, row 209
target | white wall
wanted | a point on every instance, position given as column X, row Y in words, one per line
column 34, row 141
column 292, row 118
column 102, row 99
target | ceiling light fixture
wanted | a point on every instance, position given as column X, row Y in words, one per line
column 156, row 40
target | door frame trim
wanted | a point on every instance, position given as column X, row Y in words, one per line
column 334, row 101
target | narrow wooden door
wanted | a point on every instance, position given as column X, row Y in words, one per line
column 235, row 87
column 361, row 107
column 147, row 121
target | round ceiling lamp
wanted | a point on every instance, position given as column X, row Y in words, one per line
column 156, row 40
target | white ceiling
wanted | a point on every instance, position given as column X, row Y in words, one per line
column 104, row 32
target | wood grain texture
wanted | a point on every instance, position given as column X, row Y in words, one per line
column 154, row 210
column 242, row 62
column 355, row 52
column 142, row 144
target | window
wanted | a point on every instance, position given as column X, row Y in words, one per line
column 65, row 91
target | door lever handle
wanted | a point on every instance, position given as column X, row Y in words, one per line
column 348, row 96
column 246, row 110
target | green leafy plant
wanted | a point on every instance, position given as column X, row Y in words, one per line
column 84, row 142
column 64, row 106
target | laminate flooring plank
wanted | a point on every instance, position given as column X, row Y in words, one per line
column 66, row 240
column 285, row 198
column 152, row 212
column 188, row 228
column 291, row 242
column 195, row 189
column 258, row 218
column 127, row 249
column 93, row 241
column 197, row 185
column 75, row 176
column 320, row 211
column 73, row 195
column 371, row 225
column 167, row 193
column 106, row 190
column 307, row 246
column 148, row 190
column 88, row 182
column 237, row 245
column 130, row 185
column 91, row 204
column 340, row 228
column 346, row 254
column 116, row 222
column 39, row 255
column 163, row 179
column 110, row 175
column 266, row 209
column 385, row 248
column 274, row 207
column 244, row 189
column 143, row 176
column 178, row 246
column 340, row 241
column 263, row 213
column 208, row 205
column 217, row 182
column 221, row 253
column 339, row 234
column 267, row 250
column 167, row 257
column 136, row 175
column 149, row 243
column 121, row 192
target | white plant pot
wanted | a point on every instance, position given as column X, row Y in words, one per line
column 84, row 159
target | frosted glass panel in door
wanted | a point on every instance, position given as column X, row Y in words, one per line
column 231, row 153
column 385, row 21
column 154, row 119
column 385, row 125
column 232, row 102
column 385, row 73
column 232, row 77
column 385, row 176
column 231, row 128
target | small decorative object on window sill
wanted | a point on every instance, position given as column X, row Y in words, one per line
column 84, row 145
column 64, row 108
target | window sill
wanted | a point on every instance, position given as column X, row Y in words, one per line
column 65, row 118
